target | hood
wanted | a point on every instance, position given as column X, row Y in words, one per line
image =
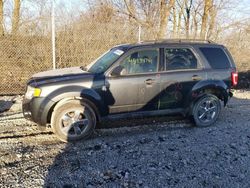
column 59, row 75
column 59, row 72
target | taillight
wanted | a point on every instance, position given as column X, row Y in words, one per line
column 234, row 78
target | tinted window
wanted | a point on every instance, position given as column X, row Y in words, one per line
column 216, row 57
column 180, row 58
column 140, row 62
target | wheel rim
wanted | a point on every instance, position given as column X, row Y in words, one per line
column 207, row 111
column 74, row 122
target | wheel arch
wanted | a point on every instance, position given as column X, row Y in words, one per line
column 213, row 87
column 62, row 95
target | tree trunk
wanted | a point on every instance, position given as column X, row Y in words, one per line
column 131, row 7
column 179, row 19
column 1, row 18
column 204, row 19
column 213, row 13
column 187, row 25
column 174, row 22
column 164, row 15
column 188, row 10
column 16, row 17
column 195, row 25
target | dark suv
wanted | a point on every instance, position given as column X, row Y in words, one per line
column 150, row 78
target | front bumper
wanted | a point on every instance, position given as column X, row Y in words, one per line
column 37, row 109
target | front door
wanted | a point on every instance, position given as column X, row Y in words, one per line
column 182, row 72
column 138, row 86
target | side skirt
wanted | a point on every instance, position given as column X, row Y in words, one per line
column 143, row 114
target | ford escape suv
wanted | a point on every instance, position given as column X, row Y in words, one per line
column 190, row 77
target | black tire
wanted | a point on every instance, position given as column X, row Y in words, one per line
column 206, row 110
column 73, row 120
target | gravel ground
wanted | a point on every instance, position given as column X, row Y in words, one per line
column 152, row 152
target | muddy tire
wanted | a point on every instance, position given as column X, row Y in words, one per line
column 73, row 120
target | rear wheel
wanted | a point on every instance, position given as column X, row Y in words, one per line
column 206, row 110
column 73, row 120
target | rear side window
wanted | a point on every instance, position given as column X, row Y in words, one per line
column 216, row 57
column 179, row 58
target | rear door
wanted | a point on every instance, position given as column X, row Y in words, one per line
column 182, row 71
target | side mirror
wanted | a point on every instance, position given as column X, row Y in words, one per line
column 117, row 71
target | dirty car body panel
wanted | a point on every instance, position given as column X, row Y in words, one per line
column 151, row 90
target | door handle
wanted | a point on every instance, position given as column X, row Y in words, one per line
column 149, row 81
column 196, row 77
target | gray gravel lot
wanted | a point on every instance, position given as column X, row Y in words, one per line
column 152, row 152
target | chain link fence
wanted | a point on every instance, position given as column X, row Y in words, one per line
column 20, row 57
column 76, row 44
column 82, row 43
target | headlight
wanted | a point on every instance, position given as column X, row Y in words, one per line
column 32, row 92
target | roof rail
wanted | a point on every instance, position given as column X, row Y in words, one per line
column 180, row 41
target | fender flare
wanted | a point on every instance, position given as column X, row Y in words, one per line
column 207, row 86
column 68, row 93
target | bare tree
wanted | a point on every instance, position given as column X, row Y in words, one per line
column 165, row 9
column 180, row 14
column 1, row 18
column 131, row 9
column 215, row 8
column 211, row 25
column 196, row 18
column 143, row 12
column 16, row 16
column 187, row 17
column 205, row 15
column 139, row 12
column 174, row 22
column 187, row 5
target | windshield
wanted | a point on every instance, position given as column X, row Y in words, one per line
column 105, row 61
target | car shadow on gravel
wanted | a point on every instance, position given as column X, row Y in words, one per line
column 146, row 152
column 80, row 164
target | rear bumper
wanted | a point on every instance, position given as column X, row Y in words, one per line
column 37, row 109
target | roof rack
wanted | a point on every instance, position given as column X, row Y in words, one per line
column 179, row 41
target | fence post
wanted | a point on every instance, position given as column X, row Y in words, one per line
column 53, row 35
column 139, row 33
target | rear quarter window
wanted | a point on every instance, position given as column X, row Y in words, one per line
column 216, row 57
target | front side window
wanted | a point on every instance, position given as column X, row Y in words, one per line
column 180, row 58
column 144, row 61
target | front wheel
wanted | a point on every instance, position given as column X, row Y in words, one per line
column 73, row 120
column 206, row 110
